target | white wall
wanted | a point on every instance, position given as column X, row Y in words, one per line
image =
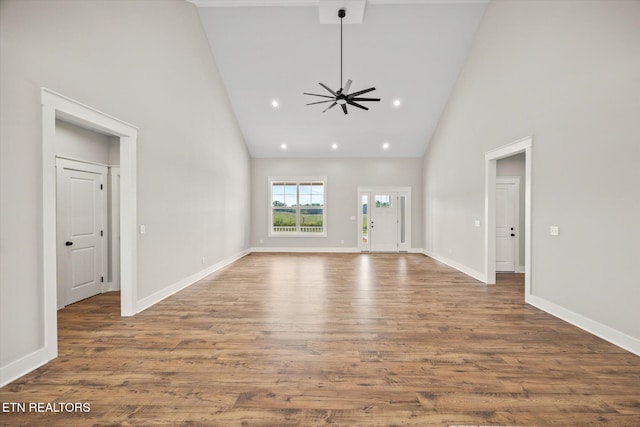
column 565, row 72
column 344, row 176
column 82, row 144
column 145, row 62
column 514, row 166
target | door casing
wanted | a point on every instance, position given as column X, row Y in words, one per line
column 59, row 107
column 491, row 157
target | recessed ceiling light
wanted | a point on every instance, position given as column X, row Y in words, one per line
column 396, row 102
column 275, row 103
column 385, row 146
column 283, row 146
column 334, row 146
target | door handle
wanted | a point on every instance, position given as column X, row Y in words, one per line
column 513, row 235
column 68, row 243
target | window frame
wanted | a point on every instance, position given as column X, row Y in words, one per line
column 297, row 181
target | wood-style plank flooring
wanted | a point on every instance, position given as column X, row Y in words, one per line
column 332, row 339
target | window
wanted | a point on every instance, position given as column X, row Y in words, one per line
column 298, row 207
column 383, row 201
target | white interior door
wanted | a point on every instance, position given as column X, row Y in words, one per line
column 384, row 221
column 81, row 206
column 506, row 224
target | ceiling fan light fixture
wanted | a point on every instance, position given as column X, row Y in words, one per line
column 342, row 97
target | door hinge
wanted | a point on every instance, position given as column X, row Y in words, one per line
column 102, row 279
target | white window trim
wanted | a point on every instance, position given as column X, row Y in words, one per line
column 297, row 180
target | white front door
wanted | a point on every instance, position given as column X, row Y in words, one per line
column 506, row 225
column 81, row 216
column 384, row 221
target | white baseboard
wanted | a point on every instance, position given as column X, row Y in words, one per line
column 607, row 333
column 110, row 287
column 460, row 267
column 340, row 250
column 26, row 364
column 156, row 297
column 302, row 250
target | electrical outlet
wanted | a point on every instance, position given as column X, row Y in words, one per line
column 476, row 223
column 554, row 230
column 342, row 242
column 261, row 241
column 143, row 229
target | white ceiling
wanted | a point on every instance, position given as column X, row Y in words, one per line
column 409, row 50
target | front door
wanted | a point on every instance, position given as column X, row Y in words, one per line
column 384, row 221
column 81, row 215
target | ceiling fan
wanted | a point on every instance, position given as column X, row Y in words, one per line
column 342, row 96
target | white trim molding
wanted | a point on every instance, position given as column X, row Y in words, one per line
column 273, row 249
column 24, row 365
column 607, row 333
column 454, row 264
column 156, row 297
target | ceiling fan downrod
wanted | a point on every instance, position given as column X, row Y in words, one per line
column 341, row 14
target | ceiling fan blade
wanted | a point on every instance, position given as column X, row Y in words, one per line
column 330, row 91
column 364, row 99
column 356, row 105
column 344, row 108
column 351, row 95
column 321, row 102
column 346, row 87
column 315, row 94
column 330, row 106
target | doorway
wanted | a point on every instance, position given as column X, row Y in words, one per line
column 491, row 157
column 59, row 107
column 384, row 220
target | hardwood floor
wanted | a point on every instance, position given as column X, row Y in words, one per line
column 332, row 339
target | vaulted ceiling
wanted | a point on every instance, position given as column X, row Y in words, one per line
column 411, row 51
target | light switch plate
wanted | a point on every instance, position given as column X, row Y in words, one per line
column 554, row 230
column 476, row 223
column 143, row 229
